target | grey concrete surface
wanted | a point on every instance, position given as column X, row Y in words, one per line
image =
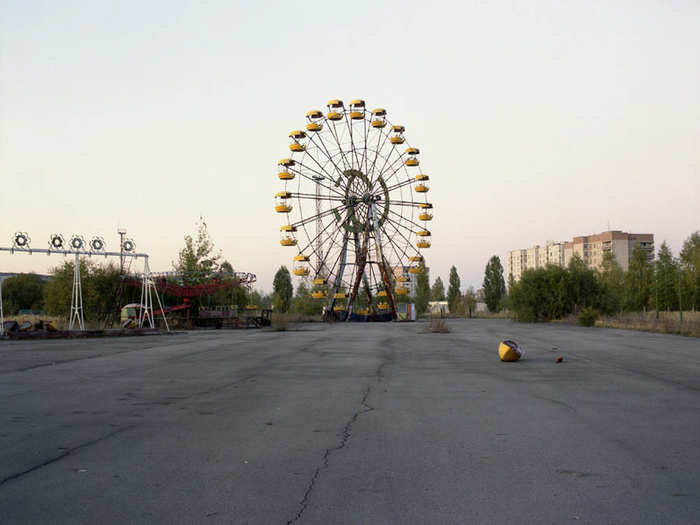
column 353, row 424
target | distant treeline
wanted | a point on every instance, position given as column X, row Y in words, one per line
column 665, row 283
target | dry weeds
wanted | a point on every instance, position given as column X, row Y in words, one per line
column 438, row 325
column 667, row 323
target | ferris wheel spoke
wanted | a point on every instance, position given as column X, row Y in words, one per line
column 398, row 185
column 330, row 244
column 334, row 134
column 380, row 135
column 333, row 270
column 407, row 219
column 321, row 215
column 392, row 149
column 410, row 204
column 321, row 167
column 311, row 178
column 312, row 242
column 327, row 153
column 399, row 232
column 365, row 156
column 315, row 197
column 395, row 167
column 400, row 224
column 348, row 123
column 400, row 254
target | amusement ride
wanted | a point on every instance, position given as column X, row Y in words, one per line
column 355, row 208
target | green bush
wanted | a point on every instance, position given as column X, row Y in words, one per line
column 588, row 317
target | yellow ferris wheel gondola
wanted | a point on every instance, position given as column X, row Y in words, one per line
column 378, row 118
column 336, row 109
column 281, row 204
column 301, row 265
column 412, row 159
column 315, row 118
column 287, row 235
column 417, row 264
column 296, row 136
column 422, row 186
column 284, row 172
column 357, row 110
column 396, row 136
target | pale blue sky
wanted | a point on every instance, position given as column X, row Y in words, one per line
column 534, row 122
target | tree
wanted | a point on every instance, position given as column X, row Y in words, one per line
column 583, row 286
column 511, row 282
column 638, row 279
column 611, row 279
column 665, row 287
column 237, row 295
column 437, row 292
column 422, row 297
column 227, row 268
column 23, row 292
column 494, row 285
column 690, row 265
column 454, row 294
column 261, row 299
column 542, row 294
column 100, row 291
column 469, row 300
column 303, row 302
column 100, row 286
column 282, row 290
column 197, row 260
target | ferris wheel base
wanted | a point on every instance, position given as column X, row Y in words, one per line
column 359, row 318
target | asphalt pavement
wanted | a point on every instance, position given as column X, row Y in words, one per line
column 353, row 423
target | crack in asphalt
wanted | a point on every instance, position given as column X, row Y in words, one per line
column 62, row 455
column 347, row 432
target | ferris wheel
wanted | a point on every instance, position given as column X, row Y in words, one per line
column 355, row 210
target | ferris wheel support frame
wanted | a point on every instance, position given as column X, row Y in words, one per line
column 382, row 264
column 339, row 277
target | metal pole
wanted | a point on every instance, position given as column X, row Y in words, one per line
column 656, row 274
column 76, row 306
column 680, row 294
column 2, row 318
column 121, row 250
column 146, row 297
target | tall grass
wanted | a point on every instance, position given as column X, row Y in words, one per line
column 667, row 323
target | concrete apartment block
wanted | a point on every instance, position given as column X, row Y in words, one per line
column 590, row 248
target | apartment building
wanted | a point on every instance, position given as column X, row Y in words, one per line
column 590, row 248
column 517, row 261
